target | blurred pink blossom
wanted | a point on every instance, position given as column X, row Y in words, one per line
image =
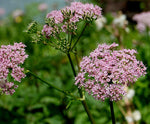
column 43, row 7
column 143, row 20
column 2, row 11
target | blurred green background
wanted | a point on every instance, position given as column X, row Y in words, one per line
column 35, row 103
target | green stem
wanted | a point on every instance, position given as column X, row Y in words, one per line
column 71, row 63
column 70, row 42
column 76, row 57
column 112, row 112
column 81, row 93
column 79, row 36
column 60, row 90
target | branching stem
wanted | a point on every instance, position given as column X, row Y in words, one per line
column 79, row 36
column 51, row 85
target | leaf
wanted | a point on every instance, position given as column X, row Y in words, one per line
column 52, row 100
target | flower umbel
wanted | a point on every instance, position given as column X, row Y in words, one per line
column 61, row 25
column 106, row 72
column 11, row 56
column 66, row 19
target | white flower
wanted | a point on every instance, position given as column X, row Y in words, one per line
column 100, row 22
column 130, row 93
column 120, row 21
column 129, row 119
column 136, row 115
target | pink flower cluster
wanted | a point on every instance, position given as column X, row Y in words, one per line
column 106, row 72
column 11, row 56
column 143, row 20
column 67, row 17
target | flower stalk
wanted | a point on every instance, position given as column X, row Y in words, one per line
column 58, row 89
column 112, row 112
column 79, row 36
column 81, row 93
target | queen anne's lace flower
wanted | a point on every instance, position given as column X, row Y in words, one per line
column 106, row 72
column 11, row 56
column 66, row 18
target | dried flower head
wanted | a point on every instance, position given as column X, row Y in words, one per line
column 11, row 57
column 106, row 72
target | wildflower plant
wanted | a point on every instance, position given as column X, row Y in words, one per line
column 106, row 72
column 61, row 32
column 11, row 57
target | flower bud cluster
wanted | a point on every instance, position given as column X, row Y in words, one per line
column 63, row 45
column 143, row 20
column 32, row 28
column 65, row 20
column 11, row 56
column 106, row 72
